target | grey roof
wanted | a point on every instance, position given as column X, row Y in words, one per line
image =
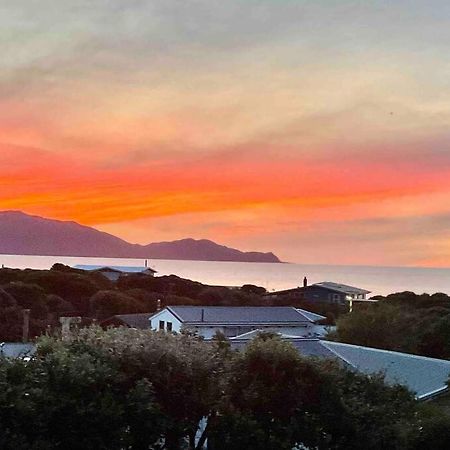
column 16, row 349
column 135, row 320
column 249, row 335
column 312, row 347
column 336, row 287
column 343, row 288
column 122, row 269
column 424, row 376
column 254, row 315
column 306, row 346
column 313, row 317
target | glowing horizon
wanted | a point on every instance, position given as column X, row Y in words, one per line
column 316, row 130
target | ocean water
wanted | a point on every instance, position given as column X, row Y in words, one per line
column 379, row 280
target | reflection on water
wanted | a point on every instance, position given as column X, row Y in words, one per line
column 379, row 280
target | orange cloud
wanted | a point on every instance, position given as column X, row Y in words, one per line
column 63, row 187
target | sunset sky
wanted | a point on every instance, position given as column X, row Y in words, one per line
column 316, row 129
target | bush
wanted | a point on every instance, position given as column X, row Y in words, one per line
column 105, row 304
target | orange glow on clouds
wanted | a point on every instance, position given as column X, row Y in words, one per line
column 322, row 147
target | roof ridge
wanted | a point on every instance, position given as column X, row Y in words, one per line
column 298, row 311
column 381, row 350
column 324, row 343
column 169, row 308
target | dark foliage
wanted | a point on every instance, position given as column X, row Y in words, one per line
column 402, row 322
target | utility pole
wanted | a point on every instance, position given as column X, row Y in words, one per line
column 26, row 324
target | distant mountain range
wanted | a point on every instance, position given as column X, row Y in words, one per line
column 22, row 234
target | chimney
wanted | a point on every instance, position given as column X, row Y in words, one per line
column 65, row 325
column 26, row 324
column 158, row 305
column 305, row 282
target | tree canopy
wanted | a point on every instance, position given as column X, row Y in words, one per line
column 133, row 389
column 405, row 322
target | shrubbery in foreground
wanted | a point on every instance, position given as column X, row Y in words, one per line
column 132, row 389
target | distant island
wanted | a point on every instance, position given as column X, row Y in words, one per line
column 23, row 234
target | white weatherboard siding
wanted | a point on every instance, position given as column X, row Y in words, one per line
column 205, row 331
column 208, row 331
column 167, row 317
column 206, row 321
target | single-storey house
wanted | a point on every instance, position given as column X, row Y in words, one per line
column 324, row 292
column 426, row 377
column 113, row 273
column 235, row 320
column 139, row 320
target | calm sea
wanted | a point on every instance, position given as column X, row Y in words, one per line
column 379, row 280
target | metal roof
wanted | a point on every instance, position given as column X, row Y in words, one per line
column 337, row 287
column 343, row 288
column 311, row 316
column 305, row 346
column 254, row 315
column 424, row 376
column 122, row 269
column 16, row 349
column 134, row 320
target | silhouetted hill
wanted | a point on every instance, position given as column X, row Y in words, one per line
column 204, row 250
column 23, row 234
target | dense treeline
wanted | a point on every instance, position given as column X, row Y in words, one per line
column 403, row 321
column 67, row 291
column 129, row 389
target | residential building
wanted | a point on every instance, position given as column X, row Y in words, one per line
column 235, row 320
column 113, row 273
column 324, row 292
column 426, row 377
column 140, row 320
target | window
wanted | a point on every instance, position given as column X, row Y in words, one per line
column 169, row 326
column 336, row 297
column 161, row 324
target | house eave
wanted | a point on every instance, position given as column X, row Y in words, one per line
column 433, row 394
column 255, row 324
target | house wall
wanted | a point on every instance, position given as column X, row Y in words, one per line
column 208, row 332
column 113, row 276
column 166, row 317
column 323, row 295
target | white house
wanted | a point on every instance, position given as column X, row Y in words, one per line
column 236, row 320
column 113, row 273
